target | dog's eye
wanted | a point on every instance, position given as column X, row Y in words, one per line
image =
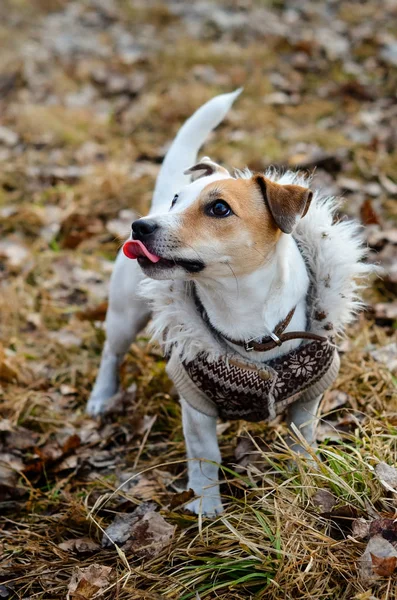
column 219, row 209
column 175, row 198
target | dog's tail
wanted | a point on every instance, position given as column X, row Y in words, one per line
column 183, row 151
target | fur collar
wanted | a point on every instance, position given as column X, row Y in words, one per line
column 333, row 251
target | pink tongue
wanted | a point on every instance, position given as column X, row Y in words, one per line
column 135, row 248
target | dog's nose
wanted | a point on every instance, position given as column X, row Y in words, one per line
column 142, row 228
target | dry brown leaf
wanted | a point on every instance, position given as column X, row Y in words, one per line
column 8, row 371
column 360, row 528
column 10, row 466
column 121, row 401
column 385, row 527
column 96, row 313
column 79, row 227
column 88, row 581
column 120, row 530
column 384, row 566
column 150, row 535
column 80, row 545
column 378, row 560
column 69, row 463
column 324, row 500
column 368, row 214
column 181, row 498
column 20, row 438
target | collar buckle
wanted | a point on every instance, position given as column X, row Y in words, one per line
column 276, row 339
column 248, row 347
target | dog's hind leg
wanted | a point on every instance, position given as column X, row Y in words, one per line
column 304, row 416
column 127, row 315
column 203, row 460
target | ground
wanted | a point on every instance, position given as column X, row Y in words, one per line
column 91, row 93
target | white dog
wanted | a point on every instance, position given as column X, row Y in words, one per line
column 248, row 281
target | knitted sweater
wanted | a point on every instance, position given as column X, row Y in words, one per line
column 201, row 364
column 233, row 390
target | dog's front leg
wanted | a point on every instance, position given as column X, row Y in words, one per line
column 304, row 416
column 203, row 460
column 127, row 315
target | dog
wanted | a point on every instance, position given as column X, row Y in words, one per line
column 249, row 280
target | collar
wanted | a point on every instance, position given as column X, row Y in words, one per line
column 277, row 338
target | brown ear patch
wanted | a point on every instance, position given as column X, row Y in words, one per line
column 287, row 203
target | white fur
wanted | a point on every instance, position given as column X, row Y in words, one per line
column 329, row 255
column 333, row 251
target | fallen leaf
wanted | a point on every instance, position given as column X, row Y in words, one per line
column 80, row 545
column 69, row 463
column 88, row 581
column 8, row 371
column 360, row 528
column 387, row 475
column 368, row 214
column 10, row 468
column 20, row 438
column 71, row 443
column 120, row 530
column 96, row 313
column 121, row 401
column 145, row 424
column 378, row 560
column 383, row 566
column 324, row 500
column 247, row 453
column 385, row 527
column 150, row 535
column 181, row 498
column 79, row 227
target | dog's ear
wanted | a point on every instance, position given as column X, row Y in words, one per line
column 287, row 203
column 204, row 168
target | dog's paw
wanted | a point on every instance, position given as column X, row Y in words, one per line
column 208, row 506
column 96, row 405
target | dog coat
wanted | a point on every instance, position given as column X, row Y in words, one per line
column 232, row 388
column 217, row 380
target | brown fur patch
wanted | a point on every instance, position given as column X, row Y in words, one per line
column 287, row 203
column 248, row 236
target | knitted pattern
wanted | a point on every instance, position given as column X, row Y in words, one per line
column 244, row 393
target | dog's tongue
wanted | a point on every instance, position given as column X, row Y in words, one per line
column 135, row 248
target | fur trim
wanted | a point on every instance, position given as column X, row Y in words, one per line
column 333, row 251
column 175, row 320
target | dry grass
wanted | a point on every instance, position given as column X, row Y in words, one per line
column 273, row 541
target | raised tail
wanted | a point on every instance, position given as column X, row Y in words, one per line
column 183, row 151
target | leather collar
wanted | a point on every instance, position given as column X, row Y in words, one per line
column 277, row 338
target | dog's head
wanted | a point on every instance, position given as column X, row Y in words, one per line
column 218, row 225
